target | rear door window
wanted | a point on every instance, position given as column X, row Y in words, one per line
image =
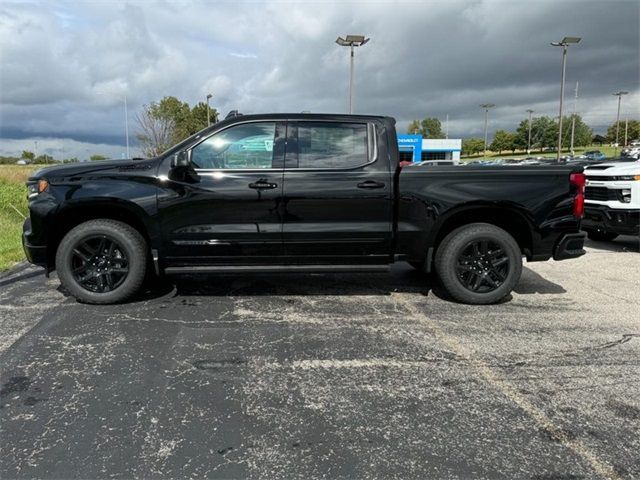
column 332, row 145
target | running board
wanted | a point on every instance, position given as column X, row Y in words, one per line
column 277, row 269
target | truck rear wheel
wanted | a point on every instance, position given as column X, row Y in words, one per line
column 102, row 261
column 601, row 236
column 479, row 263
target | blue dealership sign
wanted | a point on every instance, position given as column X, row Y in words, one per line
column 411, row 143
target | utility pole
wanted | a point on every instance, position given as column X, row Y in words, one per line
column 36, row 153
column 446, row 129
column 351, row 41
column 529, row 140
column 573, row 118
column 126, row 125
column 566, row 41
column 486, row 107
column 626, row 130
column 208, row 112
column 619, row 95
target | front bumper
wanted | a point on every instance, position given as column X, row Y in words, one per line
column 613, row 220
column 570, row 245
column 36, row 254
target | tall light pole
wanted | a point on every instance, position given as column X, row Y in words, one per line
column 573, row 117
column 566, row 41
column 626, row 130
column 126, row 125
column 529, row 139
column 208, row 113
column 351, row 41
column 486, row 107
column 619, row 95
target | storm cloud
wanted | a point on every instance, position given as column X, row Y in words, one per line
column 66, row 67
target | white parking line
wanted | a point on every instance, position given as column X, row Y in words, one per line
column 493, row 378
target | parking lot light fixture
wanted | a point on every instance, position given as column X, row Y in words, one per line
column 486, row 107
column 619, row 95
column 529, row 138
column 566, row 41
column 351, row 41
column 208, row 111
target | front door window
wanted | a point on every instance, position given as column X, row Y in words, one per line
column 246, row 146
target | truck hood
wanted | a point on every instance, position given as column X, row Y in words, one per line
column 613, row 169
column 83, row 168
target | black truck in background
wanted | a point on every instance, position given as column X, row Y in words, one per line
column 298, row 192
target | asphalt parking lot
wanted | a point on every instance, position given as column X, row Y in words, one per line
column 327, row 376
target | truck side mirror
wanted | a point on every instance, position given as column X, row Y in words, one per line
column 181, row 159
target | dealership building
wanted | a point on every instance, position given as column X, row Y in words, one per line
column 414, row 148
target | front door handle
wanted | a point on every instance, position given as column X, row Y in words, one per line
column 371, row 184
column 263, row 185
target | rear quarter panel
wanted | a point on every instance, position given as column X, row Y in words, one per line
column 428, row 196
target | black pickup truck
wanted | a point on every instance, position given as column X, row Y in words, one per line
column 298, row 192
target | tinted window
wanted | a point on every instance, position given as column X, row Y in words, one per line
column 331, row 145
column 245, row 146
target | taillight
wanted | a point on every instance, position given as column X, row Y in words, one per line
column 579, row 180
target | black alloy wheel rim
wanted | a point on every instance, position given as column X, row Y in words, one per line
column 482, row 266
column 99, row 264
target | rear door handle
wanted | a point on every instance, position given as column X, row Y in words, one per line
column 371, row 184
column 263, row 185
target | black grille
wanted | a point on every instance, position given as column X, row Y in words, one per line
column 600, row 193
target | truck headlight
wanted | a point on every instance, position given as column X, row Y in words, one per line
column 34, row 188
column 626, row 195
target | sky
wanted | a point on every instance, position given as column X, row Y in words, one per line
column 66, row 67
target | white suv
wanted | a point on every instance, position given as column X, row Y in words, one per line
column 612, row 200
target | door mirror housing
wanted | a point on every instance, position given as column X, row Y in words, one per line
column 181, row 159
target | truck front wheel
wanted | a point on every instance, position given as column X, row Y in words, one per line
column 102, row 261
column 479, row 263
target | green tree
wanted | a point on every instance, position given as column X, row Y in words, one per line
column 27, row 155
column 471, row 146
column 198, row 119
column 44, row 159
column 169, row 121
column 633, row 132
column 428, row 128
column 544, row 133
column 502, row 140
column 97, row 157
column 582, row 133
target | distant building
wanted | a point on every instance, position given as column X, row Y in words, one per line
column 414, row 148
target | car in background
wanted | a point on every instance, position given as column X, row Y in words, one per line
column 530, row 161
column 595, row 155
column 584, row 160
column 436, row 163
column 631, row 151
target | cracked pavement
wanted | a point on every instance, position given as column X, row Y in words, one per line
column 327, row 376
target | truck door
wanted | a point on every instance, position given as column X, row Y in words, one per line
column 337, row 200
column 229, row 211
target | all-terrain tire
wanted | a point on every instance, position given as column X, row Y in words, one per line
column 452, row 257
column 130, row 245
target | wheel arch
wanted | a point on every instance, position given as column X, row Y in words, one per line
column 74, row 214
column 508, row 218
